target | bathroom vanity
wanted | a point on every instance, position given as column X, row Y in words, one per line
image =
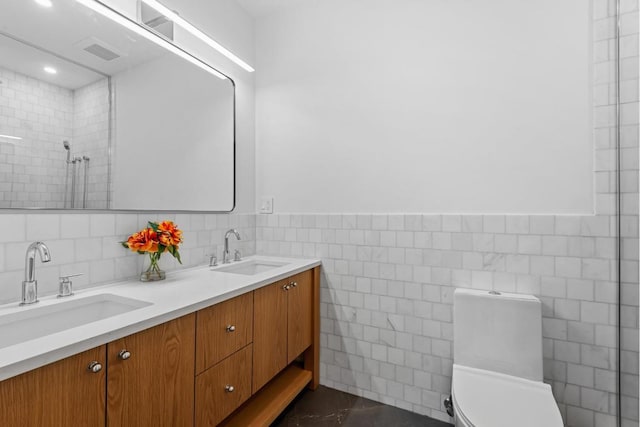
column 232, row 347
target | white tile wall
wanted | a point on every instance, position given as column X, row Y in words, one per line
column 89, row 244
column 91, row 138
column 387, row 292
column 33, row 168
column 44, row 115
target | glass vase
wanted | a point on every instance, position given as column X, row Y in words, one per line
column 153, row 272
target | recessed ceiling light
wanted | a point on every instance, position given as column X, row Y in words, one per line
column 44, row 3
column 50, row 70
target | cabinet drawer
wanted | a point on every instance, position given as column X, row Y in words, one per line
column 222, row 389
column 222, row 330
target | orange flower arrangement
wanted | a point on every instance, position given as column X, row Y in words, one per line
column 154, row 240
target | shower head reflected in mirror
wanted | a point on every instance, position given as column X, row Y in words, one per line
column 67, row 147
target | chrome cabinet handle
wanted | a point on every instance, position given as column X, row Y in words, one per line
column 231, row 328
column 229, row 388
column 286, row 287
column 124, row 354
column 294, row 284
column 94, row 367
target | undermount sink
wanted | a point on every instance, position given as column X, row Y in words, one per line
column 36, row 322
column 250, row 267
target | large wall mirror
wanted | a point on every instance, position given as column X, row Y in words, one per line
column 94, row 115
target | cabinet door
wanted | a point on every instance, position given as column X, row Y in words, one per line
column 222, row 330
column 221, row 389
column 270, row 333
column 154, row 385
column 64, row 393
column 300, row 314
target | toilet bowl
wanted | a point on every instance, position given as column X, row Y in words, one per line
column 497, row 370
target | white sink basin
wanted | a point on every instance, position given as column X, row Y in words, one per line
column 250, row 267
column 35, row 322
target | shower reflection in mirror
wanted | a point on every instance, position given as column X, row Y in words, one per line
column 70, row 192
column 54, row 141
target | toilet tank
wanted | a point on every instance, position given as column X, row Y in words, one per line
column 499, row 332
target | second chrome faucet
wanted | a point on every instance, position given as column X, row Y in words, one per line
column 225, row 254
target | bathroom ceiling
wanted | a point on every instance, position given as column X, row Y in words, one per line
column 76, row 28
column 258, row 8
column 31, row 62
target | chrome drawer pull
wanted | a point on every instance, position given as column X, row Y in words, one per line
column 229, row 388
column 231, row 328
column 124, row 354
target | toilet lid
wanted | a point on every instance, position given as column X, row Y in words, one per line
column 490, row 399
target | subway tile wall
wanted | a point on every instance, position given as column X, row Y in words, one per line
column 388, row 282
column 88, row 243
column 91, row 139
column 42, row 115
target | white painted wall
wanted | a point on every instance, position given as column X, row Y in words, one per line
column 415, row 106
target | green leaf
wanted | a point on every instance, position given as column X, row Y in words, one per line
column 177, row 256
column 141, row 252
column 153, row 225
column 161, row 248
column 125, row 244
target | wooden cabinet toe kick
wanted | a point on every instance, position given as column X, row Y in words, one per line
column 265, row 406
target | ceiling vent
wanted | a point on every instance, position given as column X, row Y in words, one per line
column 99, row 48
column 102, row 52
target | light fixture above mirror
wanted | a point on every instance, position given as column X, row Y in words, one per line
column 107, row 12
column 174, row 17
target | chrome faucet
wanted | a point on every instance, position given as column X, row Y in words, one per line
column 225, row 254
column 30, row 284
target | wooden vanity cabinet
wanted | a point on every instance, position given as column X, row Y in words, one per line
column 283, row 318
column 150, row 379
column 233, row 364
column 64, row 393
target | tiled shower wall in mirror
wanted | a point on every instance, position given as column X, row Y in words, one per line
column 43, row 115
column 34, row 166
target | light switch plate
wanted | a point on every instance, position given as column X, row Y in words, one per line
column 266, row 205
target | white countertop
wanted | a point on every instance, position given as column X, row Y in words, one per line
column 181, row 293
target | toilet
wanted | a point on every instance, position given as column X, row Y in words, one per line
column 497, row 362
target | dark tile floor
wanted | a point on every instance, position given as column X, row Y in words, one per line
column 328, row 407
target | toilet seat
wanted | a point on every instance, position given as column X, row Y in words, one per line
column 490, row 399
